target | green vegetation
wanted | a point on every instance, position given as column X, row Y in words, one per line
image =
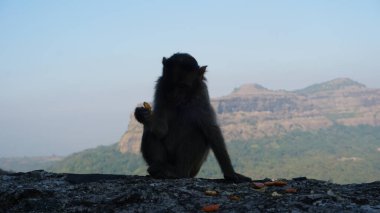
column 341, row 154
column 102, row 159
column 336, row 116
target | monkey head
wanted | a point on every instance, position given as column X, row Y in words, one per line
column 181, row 70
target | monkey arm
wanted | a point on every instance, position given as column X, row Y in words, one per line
column 158, row 124
column 216, row 141
column 214, row 138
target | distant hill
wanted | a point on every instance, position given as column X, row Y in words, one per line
column 102, row 159
column 25, row 164
column 333, row 85
column 2, row 172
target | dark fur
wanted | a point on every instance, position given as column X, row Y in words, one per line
column 182, row 128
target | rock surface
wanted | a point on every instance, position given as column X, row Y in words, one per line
column 40, row 191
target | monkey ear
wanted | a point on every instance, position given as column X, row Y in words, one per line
column 164, row 60
column 202, row 70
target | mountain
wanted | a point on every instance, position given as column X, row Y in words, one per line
column 328, row 131
column 252, row 111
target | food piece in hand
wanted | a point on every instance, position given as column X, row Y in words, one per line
column 147, row 106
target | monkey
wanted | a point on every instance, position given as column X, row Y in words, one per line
column 182, row 127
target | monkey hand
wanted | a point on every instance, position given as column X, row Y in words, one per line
column 142, row 114
column 237, row 178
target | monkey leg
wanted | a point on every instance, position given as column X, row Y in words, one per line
column 191, row 155
column 194, row 171
column 156, row 156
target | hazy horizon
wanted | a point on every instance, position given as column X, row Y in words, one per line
column 72, row 72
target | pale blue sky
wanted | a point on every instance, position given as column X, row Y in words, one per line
column 71, row 72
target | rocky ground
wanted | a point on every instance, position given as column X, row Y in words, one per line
column 40, row 191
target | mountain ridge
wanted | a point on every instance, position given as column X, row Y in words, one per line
column 253, row 111
column 335, row 84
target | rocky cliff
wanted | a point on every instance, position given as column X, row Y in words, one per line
column 39, row 191
column 253, row 111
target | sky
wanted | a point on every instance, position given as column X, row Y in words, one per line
column 71, row 72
